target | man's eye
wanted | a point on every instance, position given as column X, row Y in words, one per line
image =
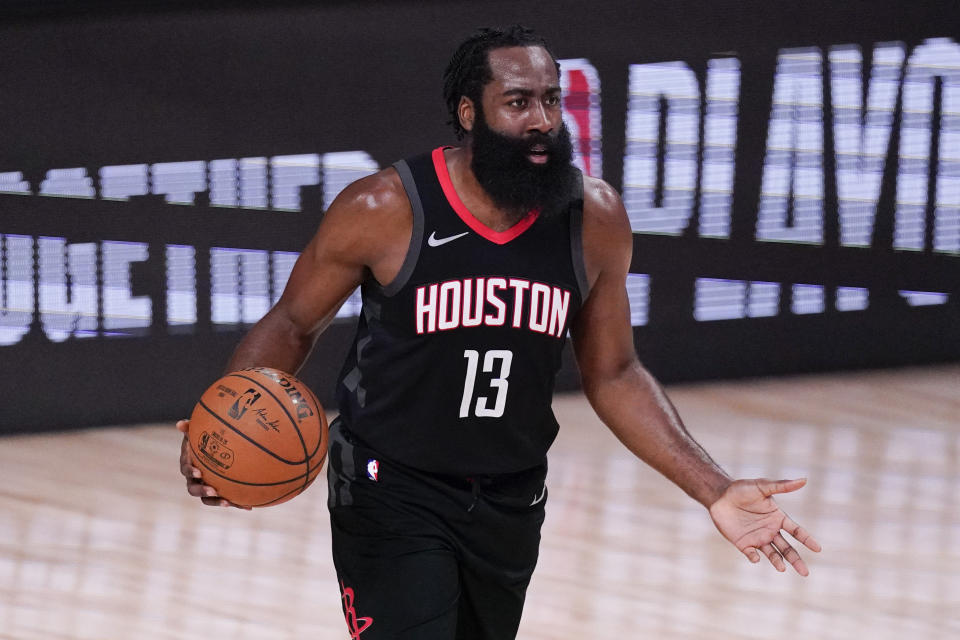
column 553, row 101
column 519, row 102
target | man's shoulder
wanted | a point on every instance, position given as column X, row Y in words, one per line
column 378, row 192
column 601, row 203
column 370, row 214
column 368, row 222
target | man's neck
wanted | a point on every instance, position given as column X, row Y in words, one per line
column 472, row 193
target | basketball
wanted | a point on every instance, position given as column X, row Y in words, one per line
column 259, row 437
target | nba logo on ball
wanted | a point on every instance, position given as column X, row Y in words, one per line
column 373, row 468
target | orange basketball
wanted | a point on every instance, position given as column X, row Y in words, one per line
column 259, row 436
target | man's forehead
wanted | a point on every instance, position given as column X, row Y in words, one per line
column 522, row 66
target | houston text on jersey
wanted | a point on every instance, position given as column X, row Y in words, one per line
column 492, row 302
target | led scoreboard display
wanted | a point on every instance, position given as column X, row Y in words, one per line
column 793, row 212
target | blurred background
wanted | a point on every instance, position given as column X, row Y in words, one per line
column 792, row 175
column 791, row 171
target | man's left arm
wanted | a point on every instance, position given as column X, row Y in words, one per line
column 634, row 406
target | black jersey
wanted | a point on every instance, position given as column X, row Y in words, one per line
column 453, row 365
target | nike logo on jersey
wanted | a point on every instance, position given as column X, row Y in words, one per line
column 434, row 241
column 539, row 499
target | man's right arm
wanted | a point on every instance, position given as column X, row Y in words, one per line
column 364, row 233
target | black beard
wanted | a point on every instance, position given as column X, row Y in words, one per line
column 513, row 182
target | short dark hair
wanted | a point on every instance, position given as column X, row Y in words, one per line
column 469, row 69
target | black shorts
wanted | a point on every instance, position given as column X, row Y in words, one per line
column 426, row 556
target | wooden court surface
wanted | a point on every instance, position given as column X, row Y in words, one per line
column 99, row 540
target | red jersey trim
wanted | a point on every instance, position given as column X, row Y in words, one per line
column 497, row 237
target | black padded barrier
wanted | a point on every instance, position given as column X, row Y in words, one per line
column 792, row 170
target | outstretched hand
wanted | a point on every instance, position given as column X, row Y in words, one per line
column 748, row 516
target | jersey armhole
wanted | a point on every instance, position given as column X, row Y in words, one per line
column 416, row 234
column 576, row 241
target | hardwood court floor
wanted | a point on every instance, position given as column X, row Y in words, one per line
column 98, row 539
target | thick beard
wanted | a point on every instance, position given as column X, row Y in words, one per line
column 513, row 182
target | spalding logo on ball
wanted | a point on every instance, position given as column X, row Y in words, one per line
column 259, row 436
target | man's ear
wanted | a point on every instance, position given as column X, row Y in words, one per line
column 466, row 113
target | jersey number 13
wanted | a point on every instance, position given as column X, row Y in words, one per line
column 481, row 407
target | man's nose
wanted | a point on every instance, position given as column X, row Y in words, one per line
column 540, row 119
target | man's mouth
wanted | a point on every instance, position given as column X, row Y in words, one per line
column 538, row 154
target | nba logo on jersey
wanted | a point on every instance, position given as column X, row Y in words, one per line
column 373, row 468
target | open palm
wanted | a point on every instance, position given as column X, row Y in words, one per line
column 748, row 516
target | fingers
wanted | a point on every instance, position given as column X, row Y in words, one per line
column 770, row 487
column 187, row 469
column 216, row 501
column 197, row 489
column 195, row 486
column 208, row 495
column 800, row 534
column 186, row 461
column 220, row 502
column 751, row 554
column 790, row 555
column 773, row 556
column 779, row 550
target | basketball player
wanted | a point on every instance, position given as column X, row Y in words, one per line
column 474, row 262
